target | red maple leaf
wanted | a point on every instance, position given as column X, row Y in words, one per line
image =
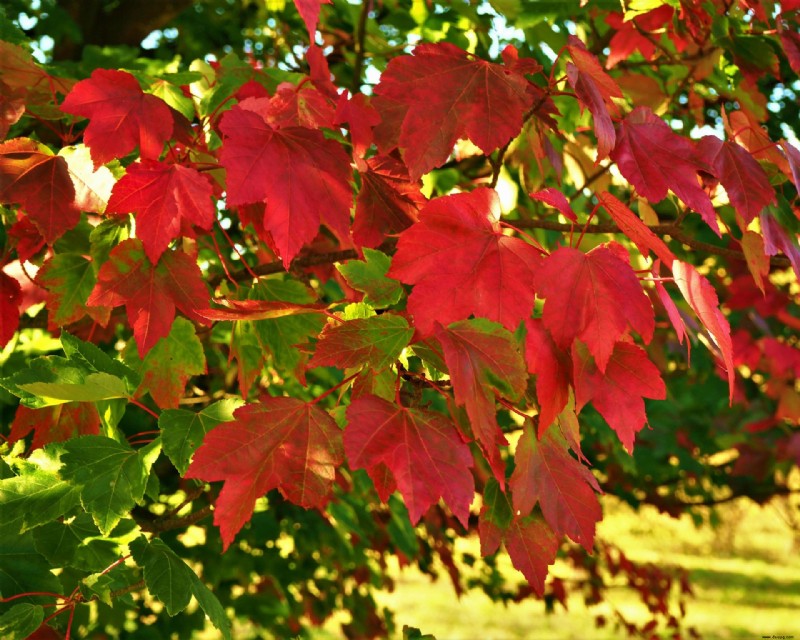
column 303, row 177
column 461, row 263
column 595, row 90
column 777, row 239
column 302, row 106
column 482, row 358
column 422, row 449
column 557, row 200
column 553, row 369
column 55, row 424
column 546, row 473
column 744, row 180
column 150, row 293
column 309, row 12
column 121, row 116
column 793, row 156
column 387, row 203
column 37, row 180
column 162, row 195
column 595, row 297
column 360, row 117
column 440, row 94
column 654, row 159
column 617, row 393
column 280, row 443
column 532, row 546
column 630, row 224
column 10, row 298
column 704, row 302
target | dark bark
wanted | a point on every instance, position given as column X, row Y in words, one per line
column 124, row 22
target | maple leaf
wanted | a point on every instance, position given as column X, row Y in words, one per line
column 162, row 195
column 592, row 296
column 595, row 90
column 12, row 106
column 10, row 297
column 482, row 357
column 461, row 263
column 563, row 487
column 54, row 424
column 302, row 106
column 309, row 12
column 617, row 393
column 360, row 116
column 440, row 94
column 553, row 368
column 557, row 200
column 654, row 159
column 280, row 443
column 776, row 239
column 121, row 116
column 387, row 203
column 532, row 546
column 744, row 180
column 422, row 449
column 69, row 279
column 170, row 363
column 630, row 35
column 369, row 276
column 37, row 180
column 630, row 224
column 495, row 517
column 756, row 257
column 376, row 341
column 150, row 293
column 703, row 300
column 303, row 177
column 793, row 157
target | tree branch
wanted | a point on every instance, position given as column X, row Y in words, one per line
column 160, row 525
column 360, row 37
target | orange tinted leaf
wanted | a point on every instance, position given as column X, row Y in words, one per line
column 55, row 424
column 630, row 224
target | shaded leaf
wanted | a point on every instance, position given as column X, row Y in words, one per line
column 422, row 449
column 546, row 474
column 376, row 341
column 553, row 369
column 369, row 276
column 280, row 443
column 617, row 392
column 69, row 279
column 150, row 293
column 183, row 431
column 532, row 546
column 54, row 424
column 168, row 366
column 654, row 159
column 20, row 621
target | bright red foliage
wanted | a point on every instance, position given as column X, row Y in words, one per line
column 281, row 443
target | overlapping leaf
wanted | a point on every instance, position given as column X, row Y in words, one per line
column 483, row 359
column 618, row 391
column 55, row 424
column 303, row 177
column 440, row 94
column 121, row 116
column 150, row 293
column 545, row 473
column 421, row 449
column 594, row 297
column 654, row 159
column 69, row 279
column 387, row 203
column 744, row 180
column 630, row 224
column 281, row 443
column 596, row 90
column 37, row 180
column 461, row 264
column 162, row 195
column 553, row 369
column 376, row 341
column 10, row 297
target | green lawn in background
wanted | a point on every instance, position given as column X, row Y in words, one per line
column 745, row 574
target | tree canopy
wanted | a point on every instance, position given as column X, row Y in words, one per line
column 289, row 289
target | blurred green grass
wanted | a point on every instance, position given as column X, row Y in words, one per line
column 745, row 574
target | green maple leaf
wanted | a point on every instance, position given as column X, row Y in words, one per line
column 369, row 276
